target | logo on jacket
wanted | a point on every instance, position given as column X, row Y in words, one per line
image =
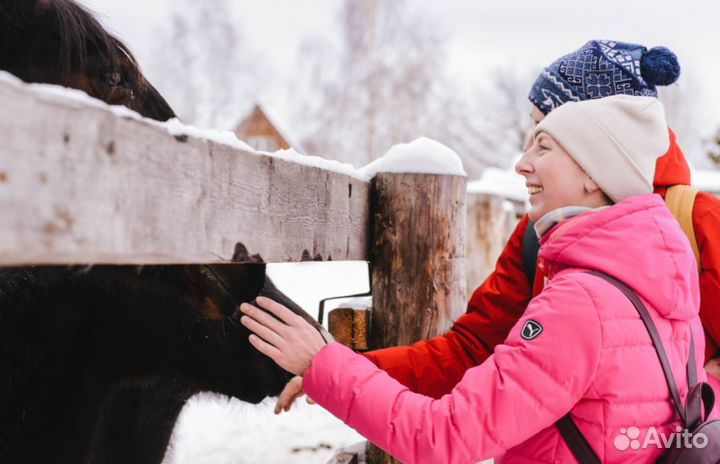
column 531, row 330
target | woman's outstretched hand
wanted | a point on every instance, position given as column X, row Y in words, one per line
column 289, row 340
column 292, row 391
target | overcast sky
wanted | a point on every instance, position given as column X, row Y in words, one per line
column 482, row 35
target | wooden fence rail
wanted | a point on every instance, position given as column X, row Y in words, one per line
column 79, row 184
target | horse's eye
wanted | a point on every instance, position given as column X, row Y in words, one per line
column 113, row 79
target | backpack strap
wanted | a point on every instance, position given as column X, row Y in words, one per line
column 680, row 200
column 655, row 337
column 576, row 442
column 698, row 395
column 701, row 396
column 530, row 250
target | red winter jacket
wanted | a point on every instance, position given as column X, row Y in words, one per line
column 435, row 366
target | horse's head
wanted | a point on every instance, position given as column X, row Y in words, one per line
column 218, row 290
column 239, row 284
column 222, row 288
column 60, row 42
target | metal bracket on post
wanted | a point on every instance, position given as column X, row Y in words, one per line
column 321, row 310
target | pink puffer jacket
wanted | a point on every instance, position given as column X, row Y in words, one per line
column 593, row 357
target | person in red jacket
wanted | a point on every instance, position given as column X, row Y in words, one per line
column 596, row 70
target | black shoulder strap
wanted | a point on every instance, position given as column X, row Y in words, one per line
column 530, row 250
column 576, row 442
column 572, row 436
column 655, row 337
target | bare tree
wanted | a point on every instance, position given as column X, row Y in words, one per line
column 204, row 66
column 504, row 112
column 387, row 84
column 382, row 84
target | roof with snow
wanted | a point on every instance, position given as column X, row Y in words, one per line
column 259, row 131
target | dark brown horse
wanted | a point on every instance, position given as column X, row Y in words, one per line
column 96, row 363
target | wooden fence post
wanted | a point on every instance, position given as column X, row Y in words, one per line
column 417, row 261
column 491, row 220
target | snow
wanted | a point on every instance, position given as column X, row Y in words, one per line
column 508, row 207
column 358, row 449
column 317, row 161
column 216, row 430
column 175, row 127
column 9, row 78
column 364, row 302
column 505, row 183
column 422, row 155
column 77, row 99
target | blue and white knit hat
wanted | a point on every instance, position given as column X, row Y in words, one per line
column 602, row 68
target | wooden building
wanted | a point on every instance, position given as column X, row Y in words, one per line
column 258, row 131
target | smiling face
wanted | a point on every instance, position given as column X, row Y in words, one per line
column 554, row 179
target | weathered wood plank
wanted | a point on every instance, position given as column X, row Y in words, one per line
column 79, row 184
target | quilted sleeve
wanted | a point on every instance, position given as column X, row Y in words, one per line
column 496, row 405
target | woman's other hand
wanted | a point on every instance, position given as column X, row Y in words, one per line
column 289, row 340
column 292, row 391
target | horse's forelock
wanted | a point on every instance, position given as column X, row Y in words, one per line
column 68, row 43
column 81, row 36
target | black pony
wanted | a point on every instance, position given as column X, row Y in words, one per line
column 97, row 362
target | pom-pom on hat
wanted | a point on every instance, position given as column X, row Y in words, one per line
column 615, row 140
column 602, row 68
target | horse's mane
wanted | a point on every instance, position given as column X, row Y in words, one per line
column 79, row 30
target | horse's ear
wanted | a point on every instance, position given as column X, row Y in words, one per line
column 241, row 255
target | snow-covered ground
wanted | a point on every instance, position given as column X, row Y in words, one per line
column 216, row 430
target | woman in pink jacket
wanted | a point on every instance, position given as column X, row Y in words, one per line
column 580, row 346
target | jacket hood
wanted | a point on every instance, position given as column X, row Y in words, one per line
column 671, row 168
column 637, row 241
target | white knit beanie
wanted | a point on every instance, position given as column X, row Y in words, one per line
column 615, row 140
